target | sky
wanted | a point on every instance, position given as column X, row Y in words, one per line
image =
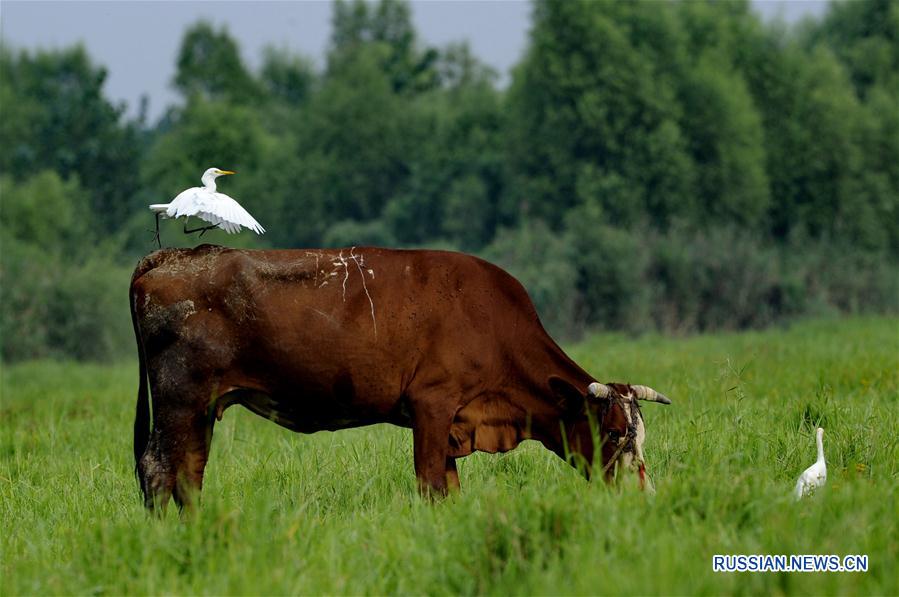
column 137, row 42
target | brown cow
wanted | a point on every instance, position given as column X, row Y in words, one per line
column 441, row 342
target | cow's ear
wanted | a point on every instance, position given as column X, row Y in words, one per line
column 568, row 397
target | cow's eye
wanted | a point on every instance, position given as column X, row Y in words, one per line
column 614, row 435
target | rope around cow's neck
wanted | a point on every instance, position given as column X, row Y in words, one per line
column 615, row 456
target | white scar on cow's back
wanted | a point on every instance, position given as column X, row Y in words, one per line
column 343, row 262
column 316, row 255
column 346, row 272
column 359, row 260
column 330, row 318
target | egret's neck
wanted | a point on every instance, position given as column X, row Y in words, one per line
column 208, row 181
column 820, row 440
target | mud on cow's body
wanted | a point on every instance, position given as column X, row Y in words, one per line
column 444, row 343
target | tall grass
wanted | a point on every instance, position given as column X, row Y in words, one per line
column 338, row 512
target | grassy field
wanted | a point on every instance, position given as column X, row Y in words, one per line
column 338, row 512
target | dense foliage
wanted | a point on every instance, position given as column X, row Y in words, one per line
column 677, row 166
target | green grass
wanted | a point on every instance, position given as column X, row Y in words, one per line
column 338, row 512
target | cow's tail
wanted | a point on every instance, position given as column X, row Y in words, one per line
column 142, row 411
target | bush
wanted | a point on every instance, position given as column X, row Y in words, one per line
column 47, row 211
column 542, row 262
column 725, row 278
column 348, row 233
column 26, row 280
column 52, row 308
column 88, row 312
column 846, row 279
column 611, row 265
column 62, row 295
column 718, row 279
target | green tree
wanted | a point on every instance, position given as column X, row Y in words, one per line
column 865, row 36
column 59, row 284
column 457, row 174
column 209, row 65
column 47, row 211
column 812, row 120
column 385, row 29
column 720, row 118
column 353, row 142
column 880, row 143
column 287, row 77
column 459, row 68
column 727, row 143
column 55, row 117
column 591, row 101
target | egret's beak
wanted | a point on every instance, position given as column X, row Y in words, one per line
column 226, row 172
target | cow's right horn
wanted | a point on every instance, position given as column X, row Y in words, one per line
column 647, row 393
column 599, row 390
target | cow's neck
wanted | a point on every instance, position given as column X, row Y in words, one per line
column 535, row 397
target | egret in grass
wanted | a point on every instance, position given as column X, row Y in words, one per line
column 816, row 475
column 220, row 210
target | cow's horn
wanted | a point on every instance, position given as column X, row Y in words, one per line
column 599, row 390
column 647, row 393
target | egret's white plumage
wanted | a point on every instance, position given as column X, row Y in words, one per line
column 816, row 475
column 209, row 205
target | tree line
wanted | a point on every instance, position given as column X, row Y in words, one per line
column 677, row 166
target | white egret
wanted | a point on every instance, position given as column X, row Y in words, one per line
column 816, row 475
column 220, row 210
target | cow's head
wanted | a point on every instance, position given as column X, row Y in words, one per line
column 607, row 417
column 616, row 408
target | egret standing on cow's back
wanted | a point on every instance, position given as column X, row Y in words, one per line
column 816, row 475
column 220, row 210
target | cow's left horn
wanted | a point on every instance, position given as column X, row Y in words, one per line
column 599, row 390
column 647, row 393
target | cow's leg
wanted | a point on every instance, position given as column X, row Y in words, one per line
column 430, row 433
column 156, row 474
column 175, row 458
column 452, row 475
column 194, row 455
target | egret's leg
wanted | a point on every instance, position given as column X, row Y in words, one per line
column 201, row 230
column 156, row 233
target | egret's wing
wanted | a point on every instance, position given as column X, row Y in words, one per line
column 188, row 202
column 232, row 215
column 800, row 489
column 198, row 202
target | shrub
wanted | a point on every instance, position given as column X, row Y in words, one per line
column 726, row 278
column 542, row 262
column 611, row 265
column 61, row 293
column 26, row 279
column 88, row 312
column 348, row 233
column 52, row 308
